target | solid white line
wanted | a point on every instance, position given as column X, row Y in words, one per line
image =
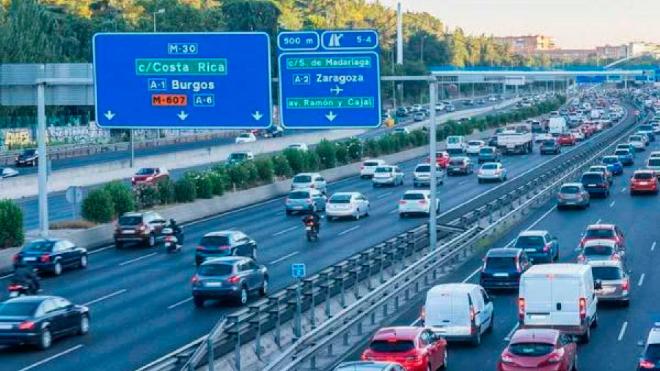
column 99, row 250
column 653, row 246
column 6, row 276
column 623, row 330
column 285, row 257
column 383, row 195
column 472, row 275
column 60, row 354
column 641, row 279
column 612, row 203
column 137, row 259
column 623, row 189
column 283, row 231
column 597, row 221
column 118, row 292
column 348, row 230
column 537, row 221
column 179, row 303
column 508, row 336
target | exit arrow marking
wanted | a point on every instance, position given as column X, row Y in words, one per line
column 337, row 90
column 257, row 115
column 109, row 115
column 182, row 115
column 330, row 116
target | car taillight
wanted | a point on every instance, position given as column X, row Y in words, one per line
column 521, row 308
column 625, row 285
column 45, row 258
column 199, row 248
column 402, row 202
column 646, row 364
column 140, row 227
column 473, row 314
column 17, row 258
column 583, row 308
column 194, row 280
column 14, row 287
column 581, row 259
column 233, row 279
column 615, row 257
column 413, row 360
column 506, row 358
column 546, row 247
column 312, row 185
column 362, row 167
column 26, row 325
column 422, row 313
column 555, row 357
column 169, row 238
column 422, row 202
column 149, row 178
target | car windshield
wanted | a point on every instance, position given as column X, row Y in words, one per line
column 500, row 262
column 529, row 241
column 453, row 140
column 215, row 270
column 652, row 352
column 570, row 189
column 548, row 142
column 130, row 220
column 29, row 152
column 213, row 241
column 474, row 143
column 18, row 308
column 383, row 170
column 392, row 346
column 599, row 250
column 635, row 138
column 600, row 233
column 645, row 128
column 340, row 199
column 39, row 246
column 607, row 273
column 592, row 178
column 654, row 161
column 423, row 169
column 622, row 152
column 298, row 195
column 457, row 162
column 413, row 196
column 531, row 349
column 238, row 156
column 487, row 151
column 146, row 171
column 610, row 160
column 371, row 163
column 302, row 179
column 643, row 176
column 489, row 167
column 244, row 135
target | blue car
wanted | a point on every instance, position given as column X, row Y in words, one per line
column 503, row 268
column 625, row 156
column 613, row 164
column 539, row 246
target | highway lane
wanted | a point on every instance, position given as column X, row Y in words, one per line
column 614, row 342
column 60, row 209
column 138, row 296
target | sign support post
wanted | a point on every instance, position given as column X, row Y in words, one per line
column 433, row 238
column 42, row 160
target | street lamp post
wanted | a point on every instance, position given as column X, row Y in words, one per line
column 159, row 11
column 421, row 48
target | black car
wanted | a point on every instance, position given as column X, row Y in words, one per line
column 401, row 112
column 503, row 267
column 37, row 320
column 51, row 255
column 460, row 165
column 225, row 243
column 229, row 277
column 596, row 183
column 492, row 141
column 29, row 157
column 273, row 132
column 143, row 228
column 550, row 146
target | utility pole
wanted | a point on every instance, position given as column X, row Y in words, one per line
column 433, row 238
column 42, row 160
column 399, row 45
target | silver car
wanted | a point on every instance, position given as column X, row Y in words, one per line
column 572, row 195
column 305, row 200
column 309, row 180
column 387, row 175
column 369, row 366
column 347, row 204
column 597, row 250
column 492, row 171
column 614, row 280
column 422, row 175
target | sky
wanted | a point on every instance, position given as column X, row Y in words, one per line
column 573, row 23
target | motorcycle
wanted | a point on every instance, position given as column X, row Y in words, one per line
column 173, row 242
column 311, row 232
column 19, row 289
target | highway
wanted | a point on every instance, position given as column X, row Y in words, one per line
column 60, row 209
column 140, row 299
column 614, row 343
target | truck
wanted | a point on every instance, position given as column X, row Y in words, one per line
column 515, row 139
column 557, row 125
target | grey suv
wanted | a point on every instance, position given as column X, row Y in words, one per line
column 229, row 277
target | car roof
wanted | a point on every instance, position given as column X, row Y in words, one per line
column 572, row 185
column 548, row 336
column 133, row 213
column 345, row 194
column 306, row 189
column 654, row 335
column 600, row 242
column 598, row 167
column 376, row 160
column 640, row 171
column 503, row 252
column 451, row 287
column 533, row 233
column 219, row 233
column 30, row 299
column 364, row 365
column 557, row 268
column 422, row 191
column 225, row 260
column 592, row 173
column 606, row 263
column 600, row 226
column 310, row 174
column 400, row 333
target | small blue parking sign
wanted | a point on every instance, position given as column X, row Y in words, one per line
column 298, row 270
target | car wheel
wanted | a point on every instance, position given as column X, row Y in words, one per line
column 357, row 215
column 584, row 339
column 476, row 340
column 444, row 361
column 288, row 212
column 626, row 303
column 243, row 296
column 254, row 254
column 82, row 264
column 575, row 363
column 263, row 291
column 83, row 328
column 151, row 241
column 119, row 245
column 46, row 339
column 57, row 268
column 402, row 215
column 491, row 323
column 366, row 213
column 198, row 301
column 594, row 323
column 428, row 366
column 479, row 180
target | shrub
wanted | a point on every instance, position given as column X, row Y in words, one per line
column 122, row 197
column 97, row 207
column 264, row 169
column 371, row 148
column 311, row 160
column 251, row 172
column 341, row 153
column 11, row 224
column 237, row 175
column 295, row 159
column 147, row 196
column 355, row 149
column 184, row 190
column 326, row 152
column 217, row 183
column 166, row 191
column 281, row 167
column 203, row 187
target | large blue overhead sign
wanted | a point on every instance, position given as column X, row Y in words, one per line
column 182, row 80
column 329, row 79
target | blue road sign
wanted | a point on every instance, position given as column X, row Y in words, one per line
column 329, row 79
column 182, row 80
column 298, row 270
column 586, row 79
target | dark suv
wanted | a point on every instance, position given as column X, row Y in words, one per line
column 596, row 183
column 225, row 243
column 141, row 228
column 229, row 277
column 29, row 157
column 503, row 267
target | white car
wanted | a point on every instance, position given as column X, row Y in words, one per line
column 369, row 166
column 298, row 146
column 474, row 146
column 656, row 127
column 246, row 138
column 440, row 106
column 654, row 154
column 653, row 163
column 416, row 107
column 637, row 142
column 416, row 201
column 422, row 175
column 309, row 180
column 492, row 98
column 578, row 135
column 401, row 130
column 8, row 172
column 387, row 175
column 347, row 204
column 492, row 171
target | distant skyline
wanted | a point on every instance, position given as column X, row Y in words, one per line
column 574, row 24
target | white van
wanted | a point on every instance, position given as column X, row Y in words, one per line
column 458, row 311
column 455, row 144
column 557, row 125
column 558, row 296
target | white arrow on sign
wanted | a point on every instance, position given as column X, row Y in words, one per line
column 182, row 115
column 330, row 116
column 337, row 90
column 257, row 115
column 109, row 115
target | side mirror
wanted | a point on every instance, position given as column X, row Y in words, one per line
column 598, row 284
column 578, row 249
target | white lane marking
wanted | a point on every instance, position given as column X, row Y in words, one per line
column 462, row 182
column 283, row 231
column 623, row 189
column 394, row 211
column 60, row 354
column 137, row 259
column 118, row 292
column 537, row 221
column 508, row 336
column 612, row 203
column 597, row 221
column 383, row 195
column 99, row 250
column 179, row 303
column 641, row 279
column 623, row 330
column 348, row 230
column 472, row 275
column 653, row 246
column 285, row 257
column 6, row 276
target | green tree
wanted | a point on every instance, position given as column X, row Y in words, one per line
column 122, row 197
column 97, row 207
column 11, row 224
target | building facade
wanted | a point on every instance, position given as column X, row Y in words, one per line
column 527, row 45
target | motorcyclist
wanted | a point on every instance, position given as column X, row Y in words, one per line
column 26, row 275
column 176, row 231
column 315, row 219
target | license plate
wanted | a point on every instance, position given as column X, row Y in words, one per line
column 128, row 231
column 297, row 207
column 537, row 316
column 606, row 290
column 530, row 250
column 213, row 284
column 500, row 275
column 591, row 185
column 29, row 259
column 5, row 326
column 308, row 228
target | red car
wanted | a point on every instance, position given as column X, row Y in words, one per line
column 643, row 181
column 587, row 129
column 539, row 350
column 149, row 176
column 415, row 348
column 566, row 139
column 442, row 159
column 603, row 232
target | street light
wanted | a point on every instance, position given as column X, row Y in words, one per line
column 159, row 11
column 421, row 48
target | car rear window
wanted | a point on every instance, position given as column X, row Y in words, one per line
column 474, row 143
column 39, row 246
column 340, row 199
column 529, row 241
column 570, row 189
column 652, row 352
column 423, row 169
column 489, row 167
column 383, row 170
column 302, row 179
column 621, row 152
column 486, row 150
column 456, row 162
column 453, row 140
column 213, row 241
column 548, row 142
column 413, row 196
column 592, row 178
column 500, row 262
column 600, row 233
column 643, row 176
column 635, row 138
column 371, row 163
column 298, row 195
column 396, row 346
column 610, row 160
column 238, row 156
column 598, row 250
column 244, row 135
column 606, row 273
column 654, row 162
column 29, row 152
column 215, row 269
column 531, row 349
column 146, row 171
column 130, row 220
column 19, row 309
